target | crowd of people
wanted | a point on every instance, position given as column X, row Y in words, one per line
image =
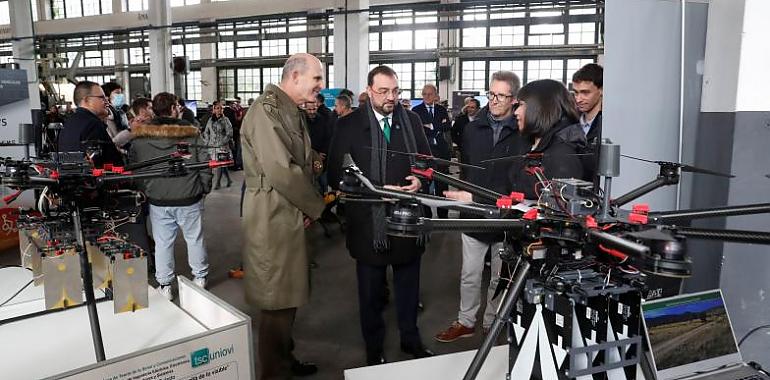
column 291, row 148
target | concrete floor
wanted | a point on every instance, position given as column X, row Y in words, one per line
column 327, row 329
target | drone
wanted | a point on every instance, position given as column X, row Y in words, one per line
column 578, row 265
column 70, row 241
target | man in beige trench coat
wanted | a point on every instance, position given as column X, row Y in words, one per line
column 280, row 201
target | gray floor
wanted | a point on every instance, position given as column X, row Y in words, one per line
column 327, row 329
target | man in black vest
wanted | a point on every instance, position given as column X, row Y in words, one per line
column 587, row 87
column 379, row 125
column 85, row 127
column 435, row 119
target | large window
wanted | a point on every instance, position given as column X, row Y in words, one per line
column 246, row 82
column 265, row 38
column 401, row 30
column 193, row 85
column 475, row 74
column 181, row 49
column 137, row 5
column 79, row 8
column 5, row 13
column 412, row 76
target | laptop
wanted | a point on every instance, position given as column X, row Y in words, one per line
column 690, row 337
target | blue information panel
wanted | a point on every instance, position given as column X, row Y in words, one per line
column 329, row 95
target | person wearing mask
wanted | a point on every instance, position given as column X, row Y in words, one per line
column 587, row 87
column 175, row 202
column 467, row 115
column 343, row 105
column 493, row 134
column 218, row 135
column 376, row 126
column 116, row 119
column 279, row 203
column 86, row 126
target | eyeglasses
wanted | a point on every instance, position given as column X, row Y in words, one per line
column 396, row 92
column 499, row 97
column 102, row 97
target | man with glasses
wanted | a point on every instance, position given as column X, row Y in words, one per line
column 435, row 119
column 493, row 134
column 370, row 134
column 86, row 126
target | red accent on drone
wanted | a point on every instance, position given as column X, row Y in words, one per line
column 591, row 222
column 530, row 215
column 427, row 173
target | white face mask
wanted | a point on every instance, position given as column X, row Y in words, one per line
column 118, row 100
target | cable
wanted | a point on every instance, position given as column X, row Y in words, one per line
column 17, row 293
column 751, row 332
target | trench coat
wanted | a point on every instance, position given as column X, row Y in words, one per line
column 278, row 166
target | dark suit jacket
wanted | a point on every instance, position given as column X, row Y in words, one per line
column 441, row 124
column 352, row 136
column 83, row 125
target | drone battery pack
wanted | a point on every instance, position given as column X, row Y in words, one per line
column 100, row 266
column 129, row 283
column 63, row 287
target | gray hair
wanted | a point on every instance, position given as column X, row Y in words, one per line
column 297, row 62
column 508, row 77
column 430, row 85
column 346, row 101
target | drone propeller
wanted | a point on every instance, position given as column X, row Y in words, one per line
column 529, row 155
column 683, row 167
column 431, row 158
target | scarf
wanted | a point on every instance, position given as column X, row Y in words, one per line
column 379, row 167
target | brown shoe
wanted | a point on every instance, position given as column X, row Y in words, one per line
column 235, row 273
column 455, row 331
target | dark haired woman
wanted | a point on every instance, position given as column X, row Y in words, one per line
column 546, row 115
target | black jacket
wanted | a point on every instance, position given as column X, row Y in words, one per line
column 82, row 126
column 320, row 132
column 477, row 146
column 352, row 136
column 160, row 138
column 594, row 143
column 441, row 124
column 559, row 147
column 457, row 129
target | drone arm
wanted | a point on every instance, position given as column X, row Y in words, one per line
column 476, row 225
column 474, row 189
column 640, row 191
column 623, row 245
column 668, row 216
column 152, row 161
column 732, row 236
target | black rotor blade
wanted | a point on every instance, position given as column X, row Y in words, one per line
column 683, row 167
column 522, row 156
column 431, row 158
column 693, row 169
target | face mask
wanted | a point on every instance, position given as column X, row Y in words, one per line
column 118, row 100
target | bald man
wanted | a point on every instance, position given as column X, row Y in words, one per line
column 280, row 201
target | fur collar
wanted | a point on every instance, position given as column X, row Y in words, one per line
column 171, row 131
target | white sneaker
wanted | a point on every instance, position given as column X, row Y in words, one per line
column 200, row 281
column 165, row 291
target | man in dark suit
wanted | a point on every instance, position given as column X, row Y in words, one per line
column 468, row 114
column 379, row 125
column 435, row 120
column 587, row 88
column 86, row 125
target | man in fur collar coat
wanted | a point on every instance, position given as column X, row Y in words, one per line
column 175, row 202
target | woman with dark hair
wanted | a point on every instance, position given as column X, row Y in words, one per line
column 546, row 115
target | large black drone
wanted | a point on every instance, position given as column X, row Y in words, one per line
column 571, row 244
column 78, row 204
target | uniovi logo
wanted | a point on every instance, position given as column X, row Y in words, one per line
column 203, row 356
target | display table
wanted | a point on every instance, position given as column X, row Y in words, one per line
column 203, row 338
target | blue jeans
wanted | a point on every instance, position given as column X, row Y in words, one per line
column 165, row 222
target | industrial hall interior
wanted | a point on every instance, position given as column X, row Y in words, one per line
column 384, row 189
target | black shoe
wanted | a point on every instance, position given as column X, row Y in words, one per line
column 418, row 351
column 375, row 359
column 299, row 368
